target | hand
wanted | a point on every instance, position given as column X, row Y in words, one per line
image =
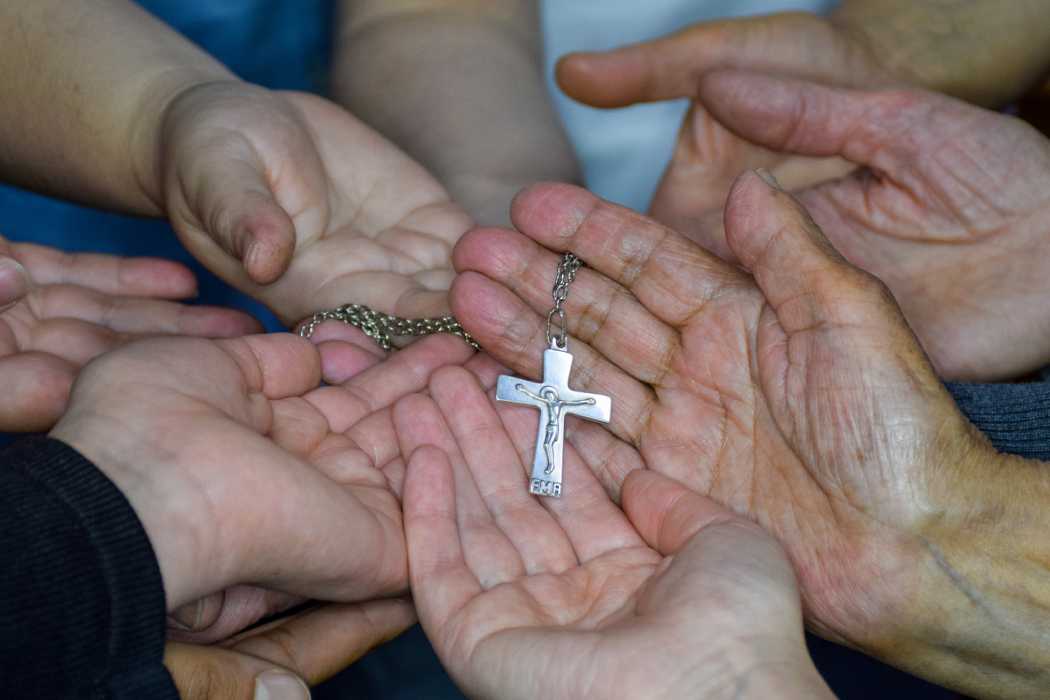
column 950, row 211
column 226, row 451
column 58, row 311
column 563, row 598
column 357, row 404
column 795, row 395
column 286, row 656
column 294, row 201
column 982, row 51
column 708, row 157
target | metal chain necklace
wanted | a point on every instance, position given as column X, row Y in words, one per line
column 383, row 328
column 553, row 397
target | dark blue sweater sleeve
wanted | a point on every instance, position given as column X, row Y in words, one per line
column 1015, row 417
column 81, row 596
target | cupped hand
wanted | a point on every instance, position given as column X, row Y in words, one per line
column 357, row 433
column 286, row 656
column 568, row 598
column 291, row 199
column 949, row 211
column 60, row 310
column 227, row 452
column 791, row 391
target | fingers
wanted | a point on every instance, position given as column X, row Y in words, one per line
column 345, row 351
column 489, row 553
column 442, row 583
column 141, row 316
column 663, row 69
column 600, row 312
column 277, row 365
column 382, row 384
column 585, row 513
column 108, row 274
column 14, row 283
column 515, row 334
column 213, row 673
column 668, row 274
column 666, row 513
column 36, row 391
column 341, row 362
column 224, row 614
column 810, row 119
column 233, row 201
column 311, row 646
column 500, row 475
column 319, row 643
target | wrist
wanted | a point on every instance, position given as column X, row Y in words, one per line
column 981, row 586
column 780, row 670
column 171, row 512
column 147, row 134
column 932, row 45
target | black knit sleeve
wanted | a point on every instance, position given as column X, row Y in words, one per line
column 1015, row 417
column 81, row 596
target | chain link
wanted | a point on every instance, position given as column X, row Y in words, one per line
column 383, row 328
column 567, row 269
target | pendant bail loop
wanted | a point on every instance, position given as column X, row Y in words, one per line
column 557, row 338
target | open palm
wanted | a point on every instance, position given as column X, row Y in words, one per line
column 795, row 394
column 348, row 427
column 61, row 310
column 294, row 201
column 524, row 599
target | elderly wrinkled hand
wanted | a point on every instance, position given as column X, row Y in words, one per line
column 789, row 388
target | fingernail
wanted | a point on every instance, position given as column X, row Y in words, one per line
column 14, row 282
column 188, row 617
column 280, row 685
column 769, row 179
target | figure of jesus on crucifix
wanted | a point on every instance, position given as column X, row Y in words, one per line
column 549, row 396
column 555, row 400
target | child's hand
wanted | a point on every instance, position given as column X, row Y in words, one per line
column 291, row 199
column 58, row 311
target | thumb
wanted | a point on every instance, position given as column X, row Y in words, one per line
column 666, row 513
column 212, row 673
column 14, row 282
column 236, row 207
column 277, row 661
column 806, row 282
column 793, row 43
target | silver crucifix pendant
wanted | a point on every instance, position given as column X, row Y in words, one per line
column 555, row 400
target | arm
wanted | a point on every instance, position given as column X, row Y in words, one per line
column 83, row 604
column 84, row 85
column 987, row 52
column 535, row 397
column 470, row 102
column 284, row 196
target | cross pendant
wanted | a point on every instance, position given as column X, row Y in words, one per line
column 555, row 400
